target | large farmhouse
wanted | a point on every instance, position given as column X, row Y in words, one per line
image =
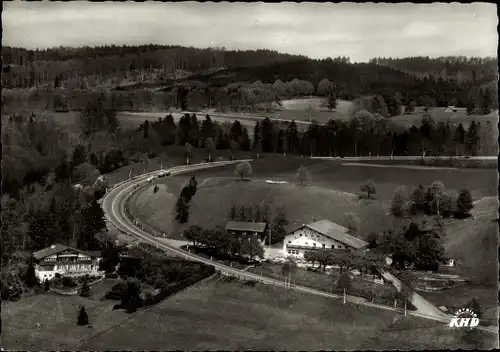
column 322, row 234
column 257, row 229
column 66, row 261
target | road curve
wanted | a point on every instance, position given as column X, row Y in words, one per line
column 113, row 204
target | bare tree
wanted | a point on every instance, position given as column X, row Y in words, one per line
column 188, row 151
column 303, row 175
column 210, row 145
column 352, row 222
column 234, row 148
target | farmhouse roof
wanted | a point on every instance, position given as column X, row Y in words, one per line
column 246, row 226
column 58, row 248
column 336, row 232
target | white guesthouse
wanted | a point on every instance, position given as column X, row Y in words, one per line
column 66, row 261
column 323, row 234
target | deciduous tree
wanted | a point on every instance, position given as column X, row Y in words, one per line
column 369, row 188
column 243, row 170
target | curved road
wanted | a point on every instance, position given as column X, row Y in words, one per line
column 113, row 204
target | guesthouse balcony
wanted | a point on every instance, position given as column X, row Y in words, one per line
column 312, row 248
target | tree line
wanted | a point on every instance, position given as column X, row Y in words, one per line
column 433, row 200
column 159, row 66
column 220, row 243
column 365, row 134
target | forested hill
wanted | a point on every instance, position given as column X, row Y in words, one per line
column 458, row 68
column 448, row 81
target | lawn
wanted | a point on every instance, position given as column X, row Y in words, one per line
column 235, row 316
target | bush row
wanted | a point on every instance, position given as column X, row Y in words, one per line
column 178, row 286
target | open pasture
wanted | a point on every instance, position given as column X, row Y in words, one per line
column 57, row 315
column 221, row 315
column 473, row 242
column 332, row 191
column 333, row 175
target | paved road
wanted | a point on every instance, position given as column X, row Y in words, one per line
column 113, row 205
column 423, row 306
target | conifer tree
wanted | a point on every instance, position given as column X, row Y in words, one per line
column 83, row 318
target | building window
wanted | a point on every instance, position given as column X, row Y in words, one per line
column 333, row 246
column 346, row 247
column 300, row 235
column 314, row 244
column 307, row 243
column 323, row 245
column 289, row 241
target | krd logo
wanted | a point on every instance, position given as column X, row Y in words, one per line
column 464, row 318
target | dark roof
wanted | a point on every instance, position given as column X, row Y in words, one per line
column 336, row 232
column 57, row 248
column 95, row 254
column 246, row 226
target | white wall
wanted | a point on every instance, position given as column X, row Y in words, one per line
column 309, row 238
column 91, row 269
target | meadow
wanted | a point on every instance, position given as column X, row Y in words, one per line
column 237, row 316
column 332, row 191
column 56, row 313
column 301, row 109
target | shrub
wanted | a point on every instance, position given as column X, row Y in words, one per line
column 68, row 282
column 83, row 318
column 85, row 290
column 251, row 283
column 117, row 291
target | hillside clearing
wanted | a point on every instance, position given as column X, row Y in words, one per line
column 273, row 319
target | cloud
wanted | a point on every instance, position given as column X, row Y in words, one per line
column 360, row 31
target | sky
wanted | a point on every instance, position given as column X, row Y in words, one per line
column 317, row 30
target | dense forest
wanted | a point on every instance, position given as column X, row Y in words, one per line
column 216, row 73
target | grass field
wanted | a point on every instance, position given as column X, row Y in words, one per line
column 57, row 315
column 219, row 193
column 474, row 242
column 332, row 192
column 221, row 315
column 235, row 316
